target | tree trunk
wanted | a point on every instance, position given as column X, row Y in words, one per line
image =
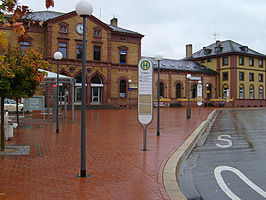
column 17, row 110
column 2, row 124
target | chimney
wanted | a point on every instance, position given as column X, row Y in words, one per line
column 218, row 43
column 114, row 21
column 188, row 50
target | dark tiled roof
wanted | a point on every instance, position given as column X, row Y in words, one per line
column 181, row 65
column 227, row 46
column 118, row 29
column 46, row 15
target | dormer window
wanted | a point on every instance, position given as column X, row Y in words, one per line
column 206, row 51
column 218, row 49
column 244, row 48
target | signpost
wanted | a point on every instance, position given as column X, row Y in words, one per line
column 199, row 95
column 145, row 96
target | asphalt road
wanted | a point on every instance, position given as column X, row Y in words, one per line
column 229, row 160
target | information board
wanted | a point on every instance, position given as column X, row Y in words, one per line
column 34, row 103
column 145, row 91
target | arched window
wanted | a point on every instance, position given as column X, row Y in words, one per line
column 225, row 91
column 241, row 92
column 122, row 88
column 96, row 90
column 251, row 92
column 161, row 89
column 96, row 79
column 178, row 90
column 194, row 91
column 260, row 92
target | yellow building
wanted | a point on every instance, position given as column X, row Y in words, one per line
column 112, row 53
column 241, row 71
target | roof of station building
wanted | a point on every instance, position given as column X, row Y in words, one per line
column 182, row 65
column 224, row 47
column 47, row 15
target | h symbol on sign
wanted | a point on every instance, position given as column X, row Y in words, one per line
column 145, row 65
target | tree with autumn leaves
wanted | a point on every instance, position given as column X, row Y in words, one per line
column 19, row 75
column 17, row 11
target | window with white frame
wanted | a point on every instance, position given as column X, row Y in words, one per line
column 251, row 61
column 225, row 92
column 62, row 47
column 260, row 92
column 241, row 92
column 251, row 92
column 260, row 63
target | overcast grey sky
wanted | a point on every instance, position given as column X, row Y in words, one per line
column 169, row 25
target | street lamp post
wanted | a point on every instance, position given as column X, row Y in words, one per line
column 83, row 9
column 57, row 56
column 129, row 91
column 188, row 95
column 158, row 58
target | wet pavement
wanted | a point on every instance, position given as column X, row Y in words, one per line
column 231, row 163
column 119, row 169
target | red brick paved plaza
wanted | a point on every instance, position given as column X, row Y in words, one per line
column 119, row 169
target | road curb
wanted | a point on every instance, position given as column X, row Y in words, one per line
column 172, row 166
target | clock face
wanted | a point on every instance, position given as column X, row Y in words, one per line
column 79, row 28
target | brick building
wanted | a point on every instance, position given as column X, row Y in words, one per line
column 112, row 52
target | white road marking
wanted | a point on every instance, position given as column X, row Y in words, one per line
column 230, row 143
column 218, row 175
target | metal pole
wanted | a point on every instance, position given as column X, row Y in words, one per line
column 72, row 100
column 83, row 104
column 188, row 105
column 60, row 97
column 199, row 110
column 158, row 101
column 144, row 137
column 129, row 99
column 65, row 102
column 57, row 98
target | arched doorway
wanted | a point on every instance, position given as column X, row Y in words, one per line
column 178, row 90
column 161, row 89
column 96, row 90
